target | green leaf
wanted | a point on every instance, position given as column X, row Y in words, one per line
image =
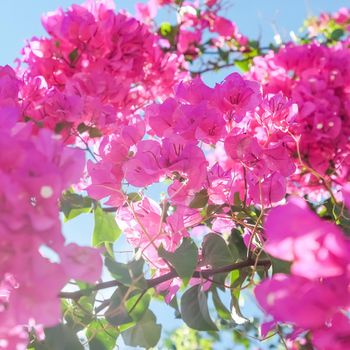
column 237, row 279
column 200, row 199
column 105, row 229
column 59, row 127
column 236, row 244
column 237, row 200
column 243, row 65
column 254, row 44
column 221, row 309
column 101, row 335
column 216, row 252
column 60, row 337
column 73, row 204
column 280, row 266
column 146, row 333
column 73, row 55
column 138, row 304
column 184, row 259
column 117, row 313
column 165, row 29
column 130, row 274
column 82, row 128
column 224, row 55
column 78, row 316
column 337, row 34
column 194, row 310
column 94, row 132
column 236, row 313
column 134, row 197
column 174, row 304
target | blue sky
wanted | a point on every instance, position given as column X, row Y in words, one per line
column 20, row 20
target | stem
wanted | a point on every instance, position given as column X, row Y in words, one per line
column 87, row 291
column 153, row 282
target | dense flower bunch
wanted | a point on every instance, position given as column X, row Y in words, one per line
column 34, row 170
column 331, row 25
column 96, row 68
column 225, row 158
column 251, row 155
column 316, row 295
column 317, row 79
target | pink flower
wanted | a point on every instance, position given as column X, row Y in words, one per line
column 317, row 248
column 223, row 225
column 297, row 300
column 223, row 26
column 346, row 195
column 236, row 96
column 188, row 41
column 82, row 263
column 335, row 336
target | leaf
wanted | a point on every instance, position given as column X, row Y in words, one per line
column 127, row 307
column 194, row 310
column 200, row 199
column 77, row 317
column 94, row 132
column 237, row 279
column 73, row 204
column 184, row 259
column 105, row 229
column 101, row 336
column 59, row 127
column 174, row 304
column 337, row 34
column 236, row 244
column 216, row 252
column 165, row 29
column 221, row 309
column 134, row 197
column 224, row 55
column 82, row 128
column 117, row 313
column 73, row 55
column 130, row 274
column 59, row 337
column 243, row 65
column 138, row 304
column 280, row 266
column 236, row 313
column 146, row 333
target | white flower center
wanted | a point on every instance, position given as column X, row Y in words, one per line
column 46, row 192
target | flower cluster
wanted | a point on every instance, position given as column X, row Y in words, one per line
column 34, row 170
column 316, row 295
column 199, row 28
column 148, row 227
column 316, row 78
column 331, row 25
column 246, row 131
column 251, row 158
column 96, row 68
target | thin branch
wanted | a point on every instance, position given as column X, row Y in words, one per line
column 153, row 282
column 87, row 291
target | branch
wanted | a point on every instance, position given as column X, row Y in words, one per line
column 153, row 282
column 87, row 291
column 213, row 68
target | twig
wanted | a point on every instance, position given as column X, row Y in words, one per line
column 153, row 282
